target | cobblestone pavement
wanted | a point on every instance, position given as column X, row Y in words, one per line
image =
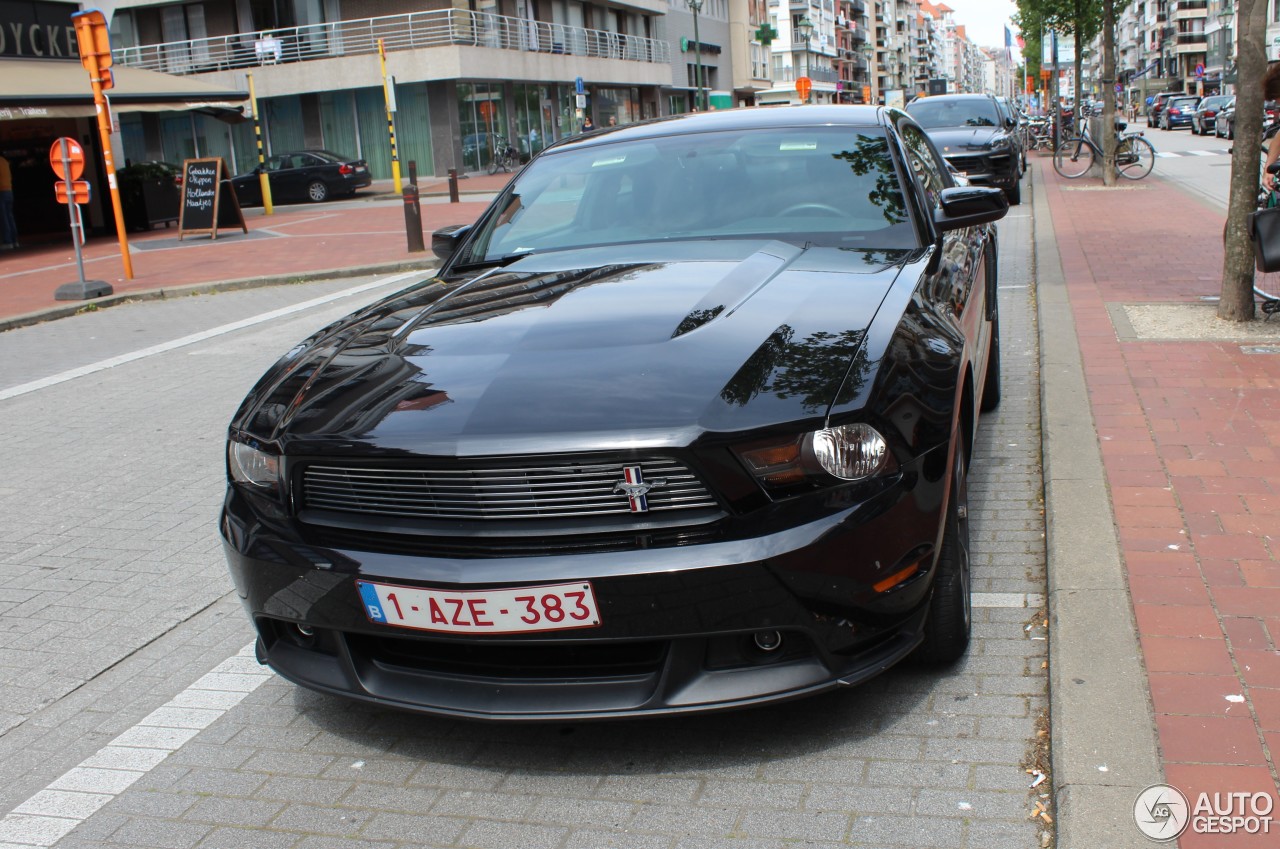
column 130, row 717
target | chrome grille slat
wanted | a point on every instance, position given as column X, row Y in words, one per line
column 533, row 492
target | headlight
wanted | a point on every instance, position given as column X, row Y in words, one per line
column 252, row 466
column 851, row 453
column 998, row 143
column 848, row 453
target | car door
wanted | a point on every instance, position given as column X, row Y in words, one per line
column 287, row 181
column 953, row 289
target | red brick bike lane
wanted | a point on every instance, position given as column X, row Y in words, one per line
column 1189, row 431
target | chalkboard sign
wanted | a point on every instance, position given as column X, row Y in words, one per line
column 208, row 201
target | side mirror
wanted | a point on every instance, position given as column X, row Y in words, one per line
column 446, row 240
column 969, row 206
column 1009, row 123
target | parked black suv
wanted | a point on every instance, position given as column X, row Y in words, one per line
column 976, row 136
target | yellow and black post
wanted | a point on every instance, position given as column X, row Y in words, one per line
column 389, row 96
column 263, row 181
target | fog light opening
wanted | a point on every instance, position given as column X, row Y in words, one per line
column 767, row 641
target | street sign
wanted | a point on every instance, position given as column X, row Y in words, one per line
column 1200, row 70
column 75, row 158
column 93, row 38
column 79, row 191
column 804, row 85
column 581, row 101
column 579, row 87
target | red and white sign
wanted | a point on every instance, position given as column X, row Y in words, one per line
column 75, row 157
column 554, row 607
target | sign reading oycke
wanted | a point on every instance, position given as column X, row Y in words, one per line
column 37, row 30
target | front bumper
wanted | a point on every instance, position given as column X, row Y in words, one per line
column 678, row 630
column 984, row 169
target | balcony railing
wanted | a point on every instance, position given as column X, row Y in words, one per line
column 436, row 28
column 818, row 75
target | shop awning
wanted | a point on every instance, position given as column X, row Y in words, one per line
column 41, row 88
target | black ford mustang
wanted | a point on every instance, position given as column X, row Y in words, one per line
column 682, row 424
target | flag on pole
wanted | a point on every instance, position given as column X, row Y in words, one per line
column 1008, row 43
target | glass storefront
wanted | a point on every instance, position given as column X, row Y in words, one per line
column 482, row 117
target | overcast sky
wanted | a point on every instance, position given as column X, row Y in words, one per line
column 984, row 20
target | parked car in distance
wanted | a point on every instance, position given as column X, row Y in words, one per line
column 682, row 423
column 1011, row 115
column 304, row 175
column 1224, row 121
column 1177, row 112
column 1204, row 116
column 1157, row 104
column 976, row 136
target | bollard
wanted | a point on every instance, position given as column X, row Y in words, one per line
column 453, row 185
column 413, row 219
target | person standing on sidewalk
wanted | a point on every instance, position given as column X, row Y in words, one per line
column 1271, row 91
column 8, row 227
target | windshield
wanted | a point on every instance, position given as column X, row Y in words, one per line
column 936, row 113
column 1182, row 102
column 833, row 186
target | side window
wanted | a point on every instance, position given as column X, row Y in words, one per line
column 924, row 164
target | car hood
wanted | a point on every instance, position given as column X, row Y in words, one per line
column 582, row 350
column 952, row 139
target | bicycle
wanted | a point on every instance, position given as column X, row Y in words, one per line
column 1135, row 156
column 505, row 156
column 1266, row 285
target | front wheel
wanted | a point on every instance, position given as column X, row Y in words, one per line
column 950, row 618
column 1073, row 158
column 1135, row 157
column 493, row 164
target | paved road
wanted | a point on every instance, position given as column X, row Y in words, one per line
column 130, row 715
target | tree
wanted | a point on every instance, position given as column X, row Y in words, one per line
column 1236, row 303
column 1081, row 18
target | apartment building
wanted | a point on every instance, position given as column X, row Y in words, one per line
column 527, row 70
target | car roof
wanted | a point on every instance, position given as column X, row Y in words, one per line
column 957, row 96
column 744, row 118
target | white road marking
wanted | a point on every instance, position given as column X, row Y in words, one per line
column 82, row 791
column 163, row 347
column 1202, row 153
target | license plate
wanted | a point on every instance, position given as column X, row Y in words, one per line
column 360, row 169
column 554, row 607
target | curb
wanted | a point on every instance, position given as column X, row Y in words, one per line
column 27, row 319
column 1104, row 745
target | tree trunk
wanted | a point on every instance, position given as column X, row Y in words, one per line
column 1108, row 93
column 1251, row 63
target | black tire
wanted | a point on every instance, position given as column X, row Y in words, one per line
column 493, row 164
column 1014, row 193
column 950, row 619
column 317, row 191
column 991, row 385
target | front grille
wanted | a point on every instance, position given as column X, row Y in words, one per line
column 489, row 545
column 507, row 660
column 511, row 493
column 970, row 163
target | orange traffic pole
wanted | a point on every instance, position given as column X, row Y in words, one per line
column 95, row 55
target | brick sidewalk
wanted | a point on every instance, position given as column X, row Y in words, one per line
column 298, row 239
column 1190, row 437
